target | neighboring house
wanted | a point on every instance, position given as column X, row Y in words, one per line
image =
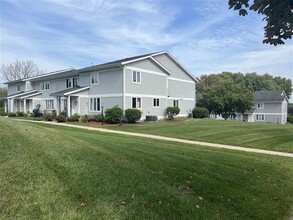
column 269, row 106
column 150, row 82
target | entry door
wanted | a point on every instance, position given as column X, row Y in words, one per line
column 74, row 105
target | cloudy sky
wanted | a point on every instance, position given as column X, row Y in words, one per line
column 204, row 35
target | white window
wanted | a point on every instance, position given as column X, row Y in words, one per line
column 175, row 103
column 45, row 86
column 72, row 82
column 18, row 88
column 136, row 77
column 95, row 78
column 136, row 102
column 50, row 104
column 95, row 104
column 260, row 105
column 156, row 102
column 260, row 117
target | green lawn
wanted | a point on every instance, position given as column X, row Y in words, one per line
column 52, row 172
column 255, row 135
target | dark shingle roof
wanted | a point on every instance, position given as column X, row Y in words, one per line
column 273, row 95
column 113, row 63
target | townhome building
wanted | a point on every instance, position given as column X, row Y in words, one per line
column 149, row 82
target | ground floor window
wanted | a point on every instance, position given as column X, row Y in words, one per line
column 260, row 117
column 156, row 102
column 136, row 102
column 50, row 104
column 175, row 103
column 95, row 104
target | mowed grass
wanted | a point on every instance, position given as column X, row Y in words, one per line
column 255, row 135
column 52, row 172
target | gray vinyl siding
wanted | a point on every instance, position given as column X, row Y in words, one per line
column 181, row 89
column 150, row 84
column 147, row 64
column 185, row 106
column 269, row 107
column 110, row 82
column 84, row 79
column 12, row 88
column 176, row 70
column 106, row 102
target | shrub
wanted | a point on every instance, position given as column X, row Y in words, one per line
column 84, row 119
column 74, row 117
column 114, row 115
column 199, row 112
column 60, row 118
column 132, row 115
column 2, row 112
column 48, row 117
column 290, row 119
column 99, row 118
column 11, row 114
column 92, row 118
column 19, row 114
column 172, row 112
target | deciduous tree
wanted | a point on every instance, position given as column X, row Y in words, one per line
column 19, row 69
column 277, row 14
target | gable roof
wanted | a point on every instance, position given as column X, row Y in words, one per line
column 269, row 95
column 69, row 91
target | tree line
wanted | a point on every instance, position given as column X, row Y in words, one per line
column 228, row 93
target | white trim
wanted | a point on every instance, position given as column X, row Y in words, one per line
column 124, row 89
column 137, row 97
column 158, row 63
column 183, row 99
column 106, row 95
column 157, row 96
column 95, row 73
column 96, row 97
column 20, row 94
column 269, row 113
column 145, row 71
column 31, row 95
column 181, row 80
column 135, row 60
column 78, row 90
column 158, row 106
column 79, row 105
column 137, row 73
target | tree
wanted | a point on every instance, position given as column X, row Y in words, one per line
column 19, row 70
column 277, row 13
column 285, row 84
column 3, row 93
column 226, row 98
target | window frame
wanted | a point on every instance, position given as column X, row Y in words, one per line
column 176, row 103
column 136, row 98
column 92, row 104
column 96, row 77
column 45, row 86
column 18, row 88
column 50, row 103
column 260, row 117
column 156, row 102
column 136, row 74
column 73, row 82
column 260, row 105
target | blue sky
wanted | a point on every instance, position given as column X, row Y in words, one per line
column 204, row 35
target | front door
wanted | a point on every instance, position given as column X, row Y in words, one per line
column 74, row 105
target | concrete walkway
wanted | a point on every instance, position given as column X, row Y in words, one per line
column 157, row 137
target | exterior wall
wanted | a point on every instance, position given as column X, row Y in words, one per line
column 12, row 88
column 147, row 64
column 110, row 82
column 176, row 70
column 185, row 106
column 181, row 89
column 106, row 102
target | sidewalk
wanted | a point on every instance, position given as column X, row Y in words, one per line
column 157, row 137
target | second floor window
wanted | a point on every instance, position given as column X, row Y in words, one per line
column 17, row 88
column 260, row 105
column 72, row 82
column 45, row 86
column 95, row 78
column 136, row 77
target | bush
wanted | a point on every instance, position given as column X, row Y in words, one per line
column 198, row 112
column 11, row 114
column 61, row 118
column 2, row 112
column 99, row 118
column 290, row 119
column 84, row 119
column 172, row 112
column 132, row 115
column 74, row 117
column 48, row 117
column 92, row 118
column 114, row 115
column 19, row 114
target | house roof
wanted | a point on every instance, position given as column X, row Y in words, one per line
column 114, row 63
column 272, row 95
column 19, row 94
column 69, row 91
